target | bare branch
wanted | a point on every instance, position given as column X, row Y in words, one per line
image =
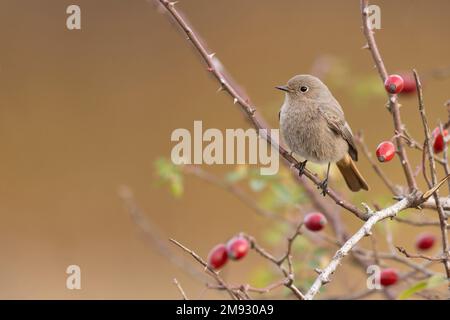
column 393, row 101
column 154, row 236
column 178, row 285
column 365, row 230
column 417, row 256
column 249, row 110
column 231, row 188
column 210, row 270
column 440, row 209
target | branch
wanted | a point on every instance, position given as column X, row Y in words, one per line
column 365, row 230
column 249, row 110
column 419, row 223
column 154, row 236
column 393, row 101
column 440, row 209
column 211, row 271
column 288, row 273
column 445, row 151
column 418, row 256
column 231, row 188
column 178, row 285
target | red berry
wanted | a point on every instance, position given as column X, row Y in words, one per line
column 438, row 140
column 217, row 256
column 385, row 151
column 315, row 221
column 409, row 83
column 237, row 248
column 425, row 241
column 388, row 277
column 394, row 84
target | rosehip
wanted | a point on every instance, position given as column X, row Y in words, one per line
column 388, row 277
column 409, row 83
column 394, row 84
column 315, row 221
column 218, row 256
column 385, row 151
column 425, row 241
column 237, row 248
column 438, row 140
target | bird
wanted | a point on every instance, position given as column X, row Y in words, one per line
column 313, row 125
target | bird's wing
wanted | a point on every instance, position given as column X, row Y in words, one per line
column 336, row 122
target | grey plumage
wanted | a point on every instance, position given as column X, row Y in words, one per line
column 313, row 125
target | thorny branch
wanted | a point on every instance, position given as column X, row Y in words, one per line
column 393, row 100
column 440, row 209
column 347, row 244
column 249, row 110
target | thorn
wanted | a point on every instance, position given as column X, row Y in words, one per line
column 220, row 89
column 367, row 208
column 325, row 280
column 235, row 100
column 173, row 3
column 252, row 111
column 211, row 55
column 210, row 69
column 366, row 46
column 428, row 193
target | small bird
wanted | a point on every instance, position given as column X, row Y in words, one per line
column 313, row 126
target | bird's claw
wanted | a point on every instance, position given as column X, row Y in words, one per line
column 324, row 186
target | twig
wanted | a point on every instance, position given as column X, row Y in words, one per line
column 445, row 151
column 440, row 209
column 410, row 142
column 393, row 102
column 365, row 230
column 417, row 256
column 178, row 285
column 245, row 105
column 419, row 223
column 231, row 188
column 154, row 236
column 248, row 288
column 211, row 271
column 288, row 273
column 357, row 295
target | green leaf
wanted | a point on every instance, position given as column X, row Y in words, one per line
column 171, row 175
column 429, row 283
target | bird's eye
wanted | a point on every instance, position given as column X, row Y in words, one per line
column 303, row 89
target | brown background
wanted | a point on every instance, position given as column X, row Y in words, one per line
column 82, row 112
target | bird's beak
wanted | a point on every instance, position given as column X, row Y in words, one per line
column 283, row 88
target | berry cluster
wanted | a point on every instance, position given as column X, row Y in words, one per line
column 235, row 249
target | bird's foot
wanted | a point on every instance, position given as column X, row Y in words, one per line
column 301, row 167
column 324, row 186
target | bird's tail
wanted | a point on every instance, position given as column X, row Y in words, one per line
column 351, row 174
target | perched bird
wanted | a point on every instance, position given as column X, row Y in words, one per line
column 313, row 125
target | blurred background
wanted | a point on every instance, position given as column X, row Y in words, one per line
column 85, row 112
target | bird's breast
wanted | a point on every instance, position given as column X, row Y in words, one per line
column 307, row 134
